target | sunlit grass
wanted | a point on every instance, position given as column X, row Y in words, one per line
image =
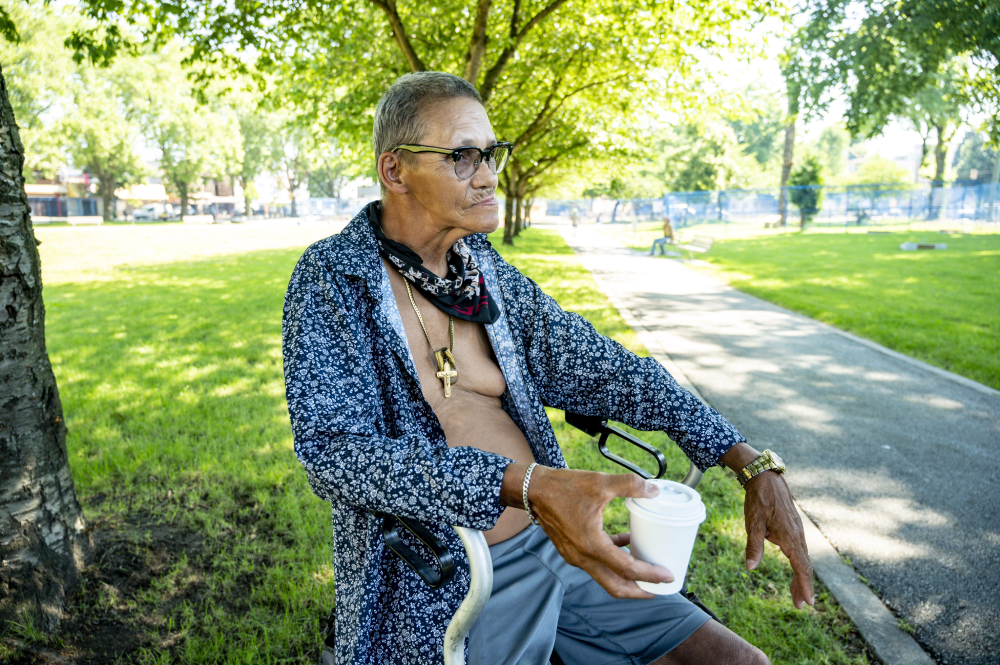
column 170, row 376
column 941, row 306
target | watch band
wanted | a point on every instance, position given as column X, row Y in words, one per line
column 766, row 461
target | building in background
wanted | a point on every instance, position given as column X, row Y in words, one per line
column 71, row 196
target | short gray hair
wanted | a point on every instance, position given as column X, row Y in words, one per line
column 398, row 114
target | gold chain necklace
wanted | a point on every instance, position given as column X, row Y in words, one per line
column 447, row 367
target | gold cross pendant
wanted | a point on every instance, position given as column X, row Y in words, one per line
column 447, row 369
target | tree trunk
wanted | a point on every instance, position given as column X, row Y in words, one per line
column 182, row 190
column 294, row 183
column 246, row 198
column 477, row 47
column 940, row 156
column 508, row 220
column 794, row 92
column 520, row 221
column 510, row 176
column 43, row 542
column 107, row 190
column 786, row 171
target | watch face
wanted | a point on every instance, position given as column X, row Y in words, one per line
column 777, row 461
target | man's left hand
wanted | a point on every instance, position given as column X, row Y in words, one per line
column 769, row 513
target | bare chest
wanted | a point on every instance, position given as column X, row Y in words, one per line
column 478, row 372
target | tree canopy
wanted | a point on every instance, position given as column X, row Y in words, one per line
column 882, row 55
column 561, row 79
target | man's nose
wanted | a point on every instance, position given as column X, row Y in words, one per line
column 484, row 177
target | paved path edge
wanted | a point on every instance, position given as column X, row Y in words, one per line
column 957, row 378
column 876, row 624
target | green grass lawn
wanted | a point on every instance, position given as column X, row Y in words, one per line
column 211, row 546
column 942, row 307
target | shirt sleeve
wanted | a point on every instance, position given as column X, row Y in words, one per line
column 334, row 401
column 576, row 368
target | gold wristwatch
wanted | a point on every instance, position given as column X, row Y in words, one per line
column 767, row 460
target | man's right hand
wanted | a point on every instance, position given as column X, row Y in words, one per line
column 569, row 505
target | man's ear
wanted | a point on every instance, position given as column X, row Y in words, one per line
column 390, row 172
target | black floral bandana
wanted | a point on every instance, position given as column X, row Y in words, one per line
column 461, row 294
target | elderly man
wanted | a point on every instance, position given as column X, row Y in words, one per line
column 418, row 365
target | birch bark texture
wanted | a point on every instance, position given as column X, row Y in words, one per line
column 43, row 537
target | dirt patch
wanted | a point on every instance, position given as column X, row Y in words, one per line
column 142, row 571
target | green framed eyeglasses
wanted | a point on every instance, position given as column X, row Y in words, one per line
column 468, row 158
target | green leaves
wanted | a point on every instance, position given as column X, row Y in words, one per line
column 561, row 78
column 7, row 28
column 884, row 55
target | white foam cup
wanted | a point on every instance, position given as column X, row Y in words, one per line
column 663, row 531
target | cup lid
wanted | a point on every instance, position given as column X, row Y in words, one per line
column 676, row 503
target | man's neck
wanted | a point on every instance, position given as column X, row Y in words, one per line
column 414, row 227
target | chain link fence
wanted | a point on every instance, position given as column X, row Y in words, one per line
column 829, row 205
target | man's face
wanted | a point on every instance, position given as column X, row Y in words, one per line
column 451, row 202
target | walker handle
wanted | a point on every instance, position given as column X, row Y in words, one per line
column 446, row 564
column 597, row 426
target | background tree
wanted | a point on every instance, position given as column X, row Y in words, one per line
column 876, row 170
column 974, row 162
column 883, row 54
column 258, row 138
column 759, row 124
column 258, row 143
column 937, row 109
column 185, row 155
column 193, row 139
column 703, row 156
column 331, row 168
column 292, row 157
column 99, row 135
column 793, row 91
column 38, row 68
column 831, row 148
column 43, row 536
column 806, row 191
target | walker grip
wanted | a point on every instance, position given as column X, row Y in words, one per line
column 432, row 578
column 597, row 426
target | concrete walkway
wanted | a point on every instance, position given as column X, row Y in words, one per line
column 895, row 461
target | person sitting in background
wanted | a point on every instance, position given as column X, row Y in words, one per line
column 668, row 237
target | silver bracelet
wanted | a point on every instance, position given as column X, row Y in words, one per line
column 524, row 492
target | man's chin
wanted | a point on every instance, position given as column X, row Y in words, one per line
column 484, row 219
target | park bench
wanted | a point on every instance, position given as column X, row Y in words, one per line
column 442, row 570
column 700, row 244
column 198, row 219
column 85, row 219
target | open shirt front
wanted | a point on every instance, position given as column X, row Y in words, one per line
column 369, row 441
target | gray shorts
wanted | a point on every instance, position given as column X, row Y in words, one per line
column 540, row 603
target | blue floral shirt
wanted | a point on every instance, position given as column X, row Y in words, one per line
column 369, row 441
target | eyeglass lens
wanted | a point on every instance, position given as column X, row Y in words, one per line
column 468, row 160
